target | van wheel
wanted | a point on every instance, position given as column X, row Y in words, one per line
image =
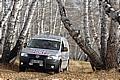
column 67, row 67
column 22, row 68
column 58, row 70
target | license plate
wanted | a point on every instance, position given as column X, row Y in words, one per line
column 40, row 62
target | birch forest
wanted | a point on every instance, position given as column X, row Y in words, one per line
column 92, row 28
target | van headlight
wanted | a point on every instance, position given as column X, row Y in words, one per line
column 52, row 57
column 24, row 54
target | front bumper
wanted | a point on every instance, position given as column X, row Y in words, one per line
column 50, row 64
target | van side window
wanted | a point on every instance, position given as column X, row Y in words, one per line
column 62, row 48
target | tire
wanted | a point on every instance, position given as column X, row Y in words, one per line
column 22, row 68
column 58, row 70
column 67, row 67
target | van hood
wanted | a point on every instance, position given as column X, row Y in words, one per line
column 40, row 51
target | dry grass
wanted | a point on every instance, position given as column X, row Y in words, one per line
column 78, row 70
column 82, row 66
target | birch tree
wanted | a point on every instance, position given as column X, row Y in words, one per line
column 103, row 32
column 1, row 10
column 86, row 23
column 51, row 16
column 55, row 20
column 96, row 61
column 20, row 42
column 113, row 40
column 82, row 36
column 20, row 20
column 7, row 10
column 94, row 57
column 95, row 41
column 39, row 17
column 43, row 15
column 11, row 25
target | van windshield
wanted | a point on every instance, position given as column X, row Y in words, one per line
column 44, row 44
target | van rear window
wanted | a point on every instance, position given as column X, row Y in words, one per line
column 44, row 44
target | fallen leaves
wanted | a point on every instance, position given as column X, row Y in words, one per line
column 79, row 70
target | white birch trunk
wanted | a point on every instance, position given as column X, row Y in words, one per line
column 103, row 33
column 1, row 10
column 29, row 18
column 95, row 41
column 61, row 23
column 112, row 12
column 75, row 54
column 7, row 10
column 86, row 23
column 55, row 20
column 60, row 28
column 7, row 14
column 27, row 37
column 21, row 19
column 11, row 25
column 94, row 57
column 113, row 41
column 51, row 17
column 43, row 15
column 19, row 45
column 39, row 16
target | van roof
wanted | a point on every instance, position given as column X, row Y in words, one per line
column 48, row 37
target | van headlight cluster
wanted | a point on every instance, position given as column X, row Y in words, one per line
column 52, row 57
column 24, row 54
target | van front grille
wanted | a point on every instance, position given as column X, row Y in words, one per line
column 34, row 56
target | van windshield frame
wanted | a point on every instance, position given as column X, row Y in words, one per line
column 44, row 44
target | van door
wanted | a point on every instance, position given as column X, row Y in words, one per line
column 64, row 53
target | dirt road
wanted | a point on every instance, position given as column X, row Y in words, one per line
column 77, row 71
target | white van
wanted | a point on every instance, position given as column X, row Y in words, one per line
column 46, row 52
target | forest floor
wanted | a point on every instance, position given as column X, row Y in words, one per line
column 78, row 70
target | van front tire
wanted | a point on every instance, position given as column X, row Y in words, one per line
column 22, row 68
column 58, row 70
column 67, row 67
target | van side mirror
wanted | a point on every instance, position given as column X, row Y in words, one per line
column 64, row 49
